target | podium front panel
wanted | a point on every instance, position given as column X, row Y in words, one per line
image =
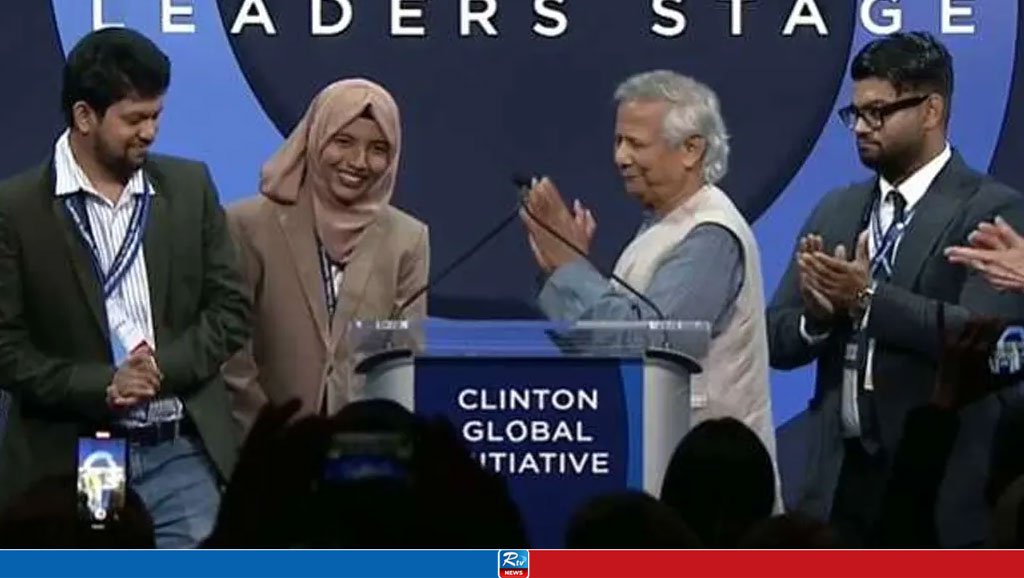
column 561, row 431
column 565, row 410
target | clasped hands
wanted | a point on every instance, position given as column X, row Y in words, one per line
column 137, row 380
column 544, row 203
column 831, row 284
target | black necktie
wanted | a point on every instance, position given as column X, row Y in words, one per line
column 899, row 205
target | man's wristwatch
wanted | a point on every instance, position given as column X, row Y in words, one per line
column 864, row 297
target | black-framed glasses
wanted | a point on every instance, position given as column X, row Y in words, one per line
column 874, row 116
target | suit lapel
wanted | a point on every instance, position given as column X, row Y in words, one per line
column 296, row 222
column 81, row 260
column 934, row 211
column 157, row 244
column 357, row 276
column 859, row 205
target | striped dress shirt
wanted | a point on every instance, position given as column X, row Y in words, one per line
column 129, row 306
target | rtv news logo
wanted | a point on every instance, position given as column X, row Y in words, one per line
column 513, row 563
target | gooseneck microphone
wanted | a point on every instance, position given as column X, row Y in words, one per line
column 455, row 264
column 524, row 184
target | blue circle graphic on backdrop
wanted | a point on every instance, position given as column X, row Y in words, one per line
column 478, row 109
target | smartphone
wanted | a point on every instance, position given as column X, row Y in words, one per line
column 102, row 478
column 357, row 456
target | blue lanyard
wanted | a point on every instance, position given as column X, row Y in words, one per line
column 327, row 269
column 887, row 244
column 130, row 245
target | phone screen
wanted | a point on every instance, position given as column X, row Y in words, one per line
column 1008, row 353
column 102, row 478
column 361, row 456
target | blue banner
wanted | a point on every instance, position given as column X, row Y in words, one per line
column 252, row 564
column 561, row 430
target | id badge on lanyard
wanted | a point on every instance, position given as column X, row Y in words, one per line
column 121, row 327
column 886, row 244
column 123, row 331
column 328, row 274
column 884, row 259
column 851, row 362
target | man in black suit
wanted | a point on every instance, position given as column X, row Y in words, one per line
column 860, row 299
column 119, row 297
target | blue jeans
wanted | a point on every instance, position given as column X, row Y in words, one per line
column 177, row 482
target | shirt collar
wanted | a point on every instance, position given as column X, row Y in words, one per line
column 72, row 179
column 917, row 184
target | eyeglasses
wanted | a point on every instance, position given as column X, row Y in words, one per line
column 874, row 116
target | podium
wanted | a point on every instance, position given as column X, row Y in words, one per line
column 566, row 411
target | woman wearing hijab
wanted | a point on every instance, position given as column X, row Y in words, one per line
column 321, row 246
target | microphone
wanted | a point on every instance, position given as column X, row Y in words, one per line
column 397, row 312
column 524, row 184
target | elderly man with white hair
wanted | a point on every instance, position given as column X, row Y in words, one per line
column 695, row 257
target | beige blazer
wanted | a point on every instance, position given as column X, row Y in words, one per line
column 296, row 351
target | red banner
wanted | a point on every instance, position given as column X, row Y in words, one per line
column 776, row 564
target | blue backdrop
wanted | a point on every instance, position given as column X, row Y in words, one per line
column 477, row 108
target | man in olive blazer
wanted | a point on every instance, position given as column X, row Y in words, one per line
column 55, row 354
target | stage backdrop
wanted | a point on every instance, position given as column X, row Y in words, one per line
column 492, row 87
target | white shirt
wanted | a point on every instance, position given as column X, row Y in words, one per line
column 913, row 190
column 129, row 313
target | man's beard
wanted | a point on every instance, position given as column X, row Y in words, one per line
column 118, row 164
column 891, row 164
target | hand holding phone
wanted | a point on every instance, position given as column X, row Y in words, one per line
column 102, row 478
column 974, row 362
column 355, row 456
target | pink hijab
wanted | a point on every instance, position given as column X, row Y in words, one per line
column 295, row 169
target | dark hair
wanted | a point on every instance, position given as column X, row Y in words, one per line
column 791, row 531
column 1006, row 463
column 720, row 480
column 630, row 520
column 909, row 61
column 109, row 65
column 46, row 515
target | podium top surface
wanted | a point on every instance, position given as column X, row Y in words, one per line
column 526, row 338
